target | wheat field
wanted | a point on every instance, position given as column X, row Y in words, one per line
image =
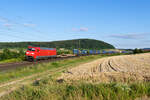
column 126, row 68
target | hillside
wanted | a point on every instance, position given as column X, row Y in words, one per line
column 69, row 44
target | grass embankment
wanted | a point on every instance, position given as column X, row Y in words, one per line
column 11, row 60
column 8, row 55
column 27, row 71
column 51, row 89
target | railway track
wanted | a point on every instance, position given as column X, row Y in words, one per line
column 10, row 66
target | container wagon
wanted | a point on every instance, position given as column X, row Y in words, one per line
column 91, row 52
column 76, row 52
column 94, row 52
column 98, row 51
column 84, row 52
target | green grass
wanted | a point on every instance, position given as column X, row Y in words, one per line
column 38, row 68
column 50, row 89
column 11, row 60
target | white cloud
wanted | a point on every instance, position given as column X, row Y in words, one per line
column 3, row 19
column 81, row 29
column 84, row 29
column 130, row 36
column 29, row 25
column 7, row 25
column 75, row 29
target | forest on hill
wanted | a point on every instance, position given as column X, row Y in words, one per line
column 68, row 44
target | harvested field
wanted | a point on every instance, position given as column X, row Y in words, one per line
column 127, row 68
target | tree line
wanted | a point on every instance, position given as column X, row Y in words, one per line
column 136, row 51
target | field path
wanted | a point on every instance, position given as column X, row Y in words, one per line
column 9, row 86
column 13, row 85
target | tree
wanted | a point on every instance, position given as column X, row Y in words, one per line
column 135, row 51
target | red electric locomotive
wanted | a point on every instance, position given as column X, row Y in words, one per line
column 34, row 53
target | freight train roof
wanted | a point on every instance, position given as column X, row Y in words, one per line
column 47, row 48
column 43, row 48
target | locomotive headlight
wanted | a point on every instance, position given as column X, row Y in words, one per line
column 32, row 53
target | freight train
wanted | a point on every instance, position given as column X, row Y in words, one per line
column 35, row 53
column 93, row 52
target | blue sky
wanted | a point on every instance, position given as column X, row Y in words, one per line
column 123, row 23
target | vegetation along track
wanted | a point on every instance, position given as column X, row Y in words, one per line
column 8, row 66
column 13, row 85
column 125, row 68
column 33, row 73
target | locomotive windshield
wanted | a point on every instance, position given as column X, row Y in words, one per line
column 31, row 49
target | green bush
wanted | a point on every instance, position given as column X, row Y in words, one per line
column 7, row 54
column 59, row 52
column 135, row 51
